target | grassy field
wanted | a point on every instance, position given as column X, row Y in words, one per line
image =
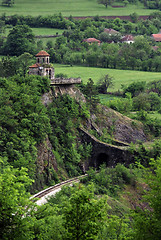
column 47, row 31
column 45, row 40
column 120, row 77
column 40, row 31
column 72, row 7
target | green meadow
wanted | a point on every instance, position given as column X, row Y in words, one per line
column 47, row 31
column 120, row 77
column 72, row 7
column 40, row 31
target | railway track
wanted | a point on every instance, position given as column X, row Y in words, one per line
column 45, row 194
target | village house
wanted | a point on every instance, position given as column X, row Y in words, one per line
column 111, row 31
column 92, row 40
column 156, row 37
column 128, row 39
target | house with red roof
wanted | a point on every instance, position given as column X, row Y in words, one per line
column 110, row 31
column 156, row 37
column 128, row 39
column 92, row 40
column 42, row 66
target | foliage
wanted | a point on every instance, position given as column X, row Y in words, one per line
column 91, row 93
column 24, row 61
column 8, row 66
column 135, row 88
column 48, row 223
column 155, row 86
column 23, row 119
column 65, row 116
column 19, row 40
column 8, row 3
column 104, row 83
column 61, row 75
column 147, row 221
column 122, row 105
column 104, row 2
column 116, row 228
column 110, row 180
column 83, row 214
column 15, row 206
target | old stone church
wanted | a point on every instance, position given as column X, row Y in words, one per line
column 42, row 66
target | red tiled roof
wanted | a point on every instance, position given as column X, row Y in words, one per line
column 157, row 37
column 128, row 38
column 91, row 40
column 36, row 65
column 110, row 31
column 42, row 54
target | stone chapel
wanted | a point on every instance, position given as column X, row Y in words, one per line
column 42, row 66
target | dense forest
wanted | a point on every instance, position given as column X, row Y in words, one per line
column 41, row 145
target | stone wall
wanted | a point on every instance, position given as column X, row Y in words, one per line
column 64, row 81
column 105, row 153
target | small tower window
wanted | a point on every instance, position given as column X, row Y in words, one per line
column 47, row 60
column 38, row 60
column 43, row 60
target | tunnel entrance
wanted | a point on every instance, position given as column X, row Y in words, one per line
column 102, row 158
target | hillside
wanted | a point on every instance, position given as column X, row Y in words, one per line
column 74, row 8
column 45, row 138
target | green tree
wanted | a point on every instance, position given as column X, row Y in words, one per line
column 19, row 40
column 142, row 102
column 105, row 2
column 8, row 3
column 104, row 83
column 83, row 214
column 125, row 2
column 91, row 93
column 147, row 222
column 8, row 66
column 24, row 61
column 48, row 223
column 135, row 88
column 15, row 206
column 134, row 17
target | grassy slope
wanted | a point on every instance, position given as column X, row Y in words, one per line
column 72, row 7
column 120, row 76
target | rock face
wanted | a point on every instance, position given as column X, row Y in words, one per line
column 71, row 90
column 119, row 126
column 47, row 98
column 45, row 162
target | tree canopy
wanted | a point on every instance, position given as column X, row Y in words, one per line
column 19, row 40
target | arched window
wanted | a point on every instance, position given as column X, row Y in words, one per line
column 47, row 60
column 38, row 60
column 43, row 60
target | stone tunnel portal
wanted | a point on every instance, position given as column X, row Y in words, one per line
column 102, row 158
